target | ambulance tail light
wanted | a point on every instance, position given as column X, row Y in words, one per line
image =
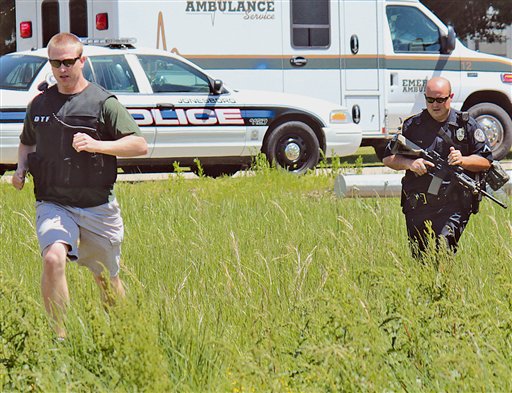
column 506, row 78
column 102, row 21
column 26, row 29
column 339, row 116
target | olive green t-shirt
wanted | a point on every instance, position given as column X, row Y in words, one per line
column 115, row 123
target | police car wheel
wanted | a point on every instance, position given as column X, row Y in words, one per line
column 497, row 125
column 293, row 146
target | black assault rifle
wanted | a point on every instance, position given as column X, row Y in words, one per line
column 441, row 170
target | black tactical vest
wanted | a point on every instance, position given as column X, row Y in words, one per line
column 62, row 174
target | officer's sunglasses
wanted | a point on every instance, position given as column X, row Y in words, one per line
column 439, row 100
column 67, row 62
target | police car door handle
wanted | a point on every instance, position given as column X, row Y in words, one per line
column 298, row 61
column 165, row 106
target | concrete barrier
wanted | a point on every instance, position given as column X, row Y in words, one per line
column 385, row 185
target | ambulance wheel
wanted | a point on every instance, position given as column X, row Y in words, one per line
column 497, row 125
column 2, row 170
column 293, row 146
column 218, row 170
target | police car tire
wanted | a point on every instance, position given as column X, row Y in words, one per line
column 296, row 134
column 501, row 149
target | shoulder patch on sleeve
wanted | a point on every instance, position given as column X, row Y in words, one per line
column 411, row 118
column 479, row 135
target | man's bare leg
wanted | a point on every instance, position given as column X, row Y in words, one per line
column 54, row 287
column 111, row 290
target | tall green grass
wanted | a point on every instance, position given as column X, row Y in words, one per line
column 266, row 283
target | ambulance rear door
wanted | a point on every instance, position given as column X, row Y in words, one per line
column 27, row 32
column 38, row 21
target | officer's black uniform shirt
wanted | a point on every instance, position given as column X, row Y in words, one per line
column 422, row 129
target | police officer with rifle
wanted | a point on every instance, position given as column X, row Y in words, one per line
column 437, row 201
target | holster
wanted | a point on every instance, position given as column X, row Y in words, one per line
column 415, row 200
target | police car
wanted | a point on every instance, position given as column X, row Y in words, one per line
column 185, row 114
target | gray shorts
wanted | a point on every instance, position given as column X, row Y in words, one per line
column 93, row 234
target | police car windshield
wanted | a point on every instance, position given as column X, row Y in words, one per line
column 17, row 72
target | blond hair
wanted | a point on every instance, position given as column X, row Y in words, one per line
column 64, row 39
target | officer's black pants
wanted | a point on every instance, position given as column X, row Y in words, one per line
column 444, row 224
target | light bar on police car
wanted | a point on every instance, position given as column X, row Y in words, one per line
column 108, row 41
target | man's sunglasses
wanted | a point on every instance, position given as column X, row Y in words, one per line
column 67, row 62
column 439, row 100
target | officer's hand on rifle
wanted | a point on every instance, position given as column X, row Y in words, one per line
column 455, row 157
column 420, row 166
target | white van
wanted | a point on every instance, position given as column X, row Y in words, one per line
column 372, row 56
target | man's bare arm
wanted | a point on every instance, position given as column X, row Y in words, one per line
column 18, row 179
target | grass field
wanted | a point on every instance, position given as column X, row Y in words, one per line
column 266, row 283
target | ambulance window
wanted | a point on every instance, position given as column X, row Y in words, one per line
column 78, row 17
column 310, row 24
column 169, row 75
column 412, row 31
column 50, row 18
column 111, row 72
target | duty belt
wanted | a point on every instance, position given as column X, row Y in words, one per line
column 417, row 199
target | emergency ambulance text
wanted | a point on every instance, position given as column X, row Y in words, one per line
column 414, row 85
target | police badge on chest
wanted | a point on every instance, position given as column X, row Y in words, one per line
column 460, row 133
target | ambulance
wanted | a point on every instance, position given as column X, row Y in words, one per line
column 371, row 56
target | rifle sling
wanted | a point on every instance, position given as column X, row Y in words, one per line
column 444, row 135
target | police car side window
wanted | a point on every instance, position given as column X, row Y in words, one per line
column 111, row 72
column 168, row 75
column 412, row 31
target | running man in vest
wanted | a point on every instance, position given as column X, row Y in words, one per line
column 71, row 136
